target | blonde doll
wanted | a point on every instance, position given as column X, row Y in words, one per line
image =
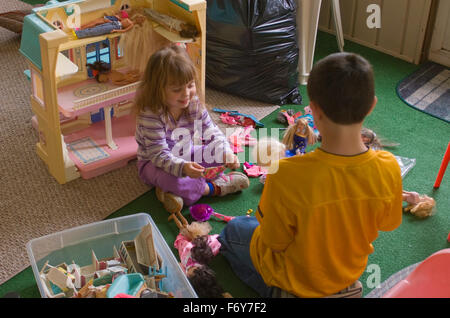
column 169, row 114
column 298, row 136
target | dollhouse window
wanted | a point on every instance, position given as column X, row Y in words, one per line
column 98, row 51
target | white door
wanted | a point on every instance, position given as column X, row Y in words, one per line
column 440, row 41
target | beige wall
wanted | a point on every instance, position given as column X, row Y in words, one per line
column 403, row 25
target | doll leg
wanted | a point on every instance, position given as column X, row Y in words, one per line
column 100, row 29
column 235, row 246
column 189, row 189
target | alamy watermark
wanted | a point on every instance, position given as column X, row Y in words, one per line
column 374, row 19
column 206, row 147
column 374, row 278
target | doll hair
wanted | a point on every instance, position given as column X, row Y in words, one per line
column 203, row 278
column 99, row 68
column 371, row 140
column 204, row 281
column 201, row 252
column 195, row 229
column 288, row 137
column 140, row 42
column 169, row 65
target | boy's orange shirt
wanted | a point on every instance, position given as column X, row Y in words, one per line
column 319, row 215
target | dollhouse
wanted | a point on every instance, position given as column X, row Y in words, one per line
column 86, row 127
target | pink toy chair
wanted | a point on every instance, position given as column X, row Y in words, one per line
column 430, row 279
column 444, row 165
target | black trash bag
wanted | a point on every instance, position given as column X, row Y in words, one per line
column 252, row 50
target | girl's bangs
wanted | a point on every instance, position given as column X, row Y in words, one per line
column 182, row 75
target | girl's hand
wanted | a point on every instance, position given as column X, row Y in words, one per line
column 231, row 161
column 193, row 169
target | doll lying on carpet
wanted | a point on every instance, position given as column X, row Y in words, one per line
column 421, row 206
column 371, row 140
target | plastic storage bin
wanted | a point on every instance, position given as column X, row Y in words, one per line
column 75, row 244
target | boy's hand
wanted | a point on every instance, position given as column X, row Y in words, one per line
column 231, row 161
column 193, row 169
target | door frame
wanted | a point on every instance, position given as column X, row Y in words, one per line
column 435, row 51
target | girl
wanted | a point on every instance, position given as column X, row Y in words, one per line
column 169, row 113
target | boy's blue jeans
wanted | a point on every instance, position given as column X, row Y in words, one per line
column 235, row 239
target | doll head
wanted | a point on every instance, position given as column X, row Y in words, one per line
column 204, row 281
column 203, row 278
column 423, row 208
column 196, row 229
column 188, row 30
column 139, row 19
column 371, row 140
column 201, row 251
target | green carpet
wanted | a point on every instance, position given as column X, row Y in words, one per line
column 34, row 2
column 420, row 136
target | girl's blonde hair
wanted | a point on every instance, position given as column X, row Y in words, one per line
column 169, row 65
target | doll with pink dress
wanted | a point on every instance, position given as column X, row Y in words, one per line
column 196, row 249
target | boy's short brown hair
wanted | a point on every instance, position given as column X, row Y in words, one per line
column 342, row 85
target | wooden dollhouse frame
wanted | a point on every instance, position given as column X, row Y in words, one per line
column 86, row 128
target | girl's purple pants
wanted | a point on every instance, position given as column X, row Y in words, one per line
column 189, row 189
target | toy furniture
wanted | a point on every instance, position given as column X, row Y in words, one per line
column 65, row 264
column 443, row 167
column 430, row 279
column 130, row 284
column 85, row 127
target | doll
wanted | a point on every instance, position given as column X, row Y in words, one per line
column 421, row 206
column 183, row 28
column 298, row 136
column 371, row 140
column 102, row 73
column 196, row 249
column 288, row 116
column 105, row 25
column 100, row 70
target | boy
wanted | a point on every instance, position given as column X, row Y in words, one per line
column 320, row 212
